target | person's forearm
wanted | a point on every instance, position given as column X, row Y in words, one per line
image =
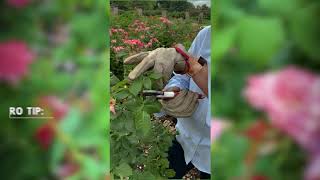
column 199, row 75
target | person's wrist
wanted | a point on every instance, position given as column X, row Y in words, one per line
column 195, row 67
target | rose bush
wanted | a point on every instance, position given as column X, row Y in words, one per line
column 129, row 36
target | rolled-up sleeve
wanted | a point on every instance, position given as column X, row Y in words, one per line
column 178, row 80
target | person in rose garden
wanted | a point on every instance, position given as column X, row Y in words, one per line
column 186, row 72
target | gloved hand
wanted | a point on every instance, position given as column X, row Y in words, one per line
column 162, row 60
column 183, row 105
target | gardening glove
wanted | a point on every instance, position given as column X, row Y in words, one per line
column 183, row 105
column 162, row 60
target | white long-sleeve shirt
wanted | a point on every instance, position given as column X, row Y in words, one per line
column 194, row 131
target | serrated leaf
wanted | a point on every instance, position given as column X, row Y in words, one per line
column 147, row 83
column 123, row 170
column 129, row 125
column 152, row 106
column 155, row 75
column 113, row 80
column 132, row 104
column 121, row 95
column 143, row 122
column 136, row 87
column 119, row 85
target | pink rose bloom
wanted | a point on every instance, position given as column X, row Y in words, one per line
column 57, row 108
column 44, row 135
column 291, row 98
column 67, row 169
column 112, row 104
column 155, row 40
column 132, row 42
column 217, row 127
column 15, row 58
column 149, row 44
column 18, row 3
column 118, row 48
column 165, row 20
column 312, row 171
column 113, row 30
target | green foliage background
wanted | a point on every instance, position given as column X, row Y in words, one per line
column 250, row 37
column 83, row 132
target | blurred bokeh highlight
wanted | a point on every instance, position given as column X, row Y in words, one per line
column 266, row 90
column 54, row 54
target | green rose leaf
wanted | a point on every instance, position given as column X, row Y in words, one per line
column 123, row 170
column 152, row 106
column 147, row 83
column 155, row 75
column 121, row 95
column 136, row 87
column 142, row 122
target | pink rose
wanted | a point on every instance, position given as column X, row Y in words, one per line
column 217, row 127
column 155, row 40
column 45, row 135
column 15, row 59
column 165, row 20
column 112, row 104
column 55, row 106
column 118, row 48
column 134, row 42
column 18, row 3
column 312, row 171
column 291, row 98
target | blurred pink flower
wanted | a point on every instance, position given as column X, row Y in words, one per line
column 149, row 44
column 165, row 20
column 312, row 172
column 155, row 40
column 55, row 106
column 291, row 98
column 15, row 58
column 217, row 127
column 18, row 3
column 44, row 135
column 134, row 42
column 113, row 41
column 113, row 30
column 112, row 104
column 257, row 130
column 259, row 177
column 67, row 169
column 118, row 48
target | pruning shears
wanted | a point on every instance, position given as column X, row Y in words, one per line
column 164, row 94
column 160, row 94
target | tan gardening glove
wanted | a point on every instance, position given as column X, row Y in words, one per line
column 162, row 60
column 183, row 105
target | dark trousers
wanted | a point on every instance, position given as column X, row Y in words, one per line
column 178, row 164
